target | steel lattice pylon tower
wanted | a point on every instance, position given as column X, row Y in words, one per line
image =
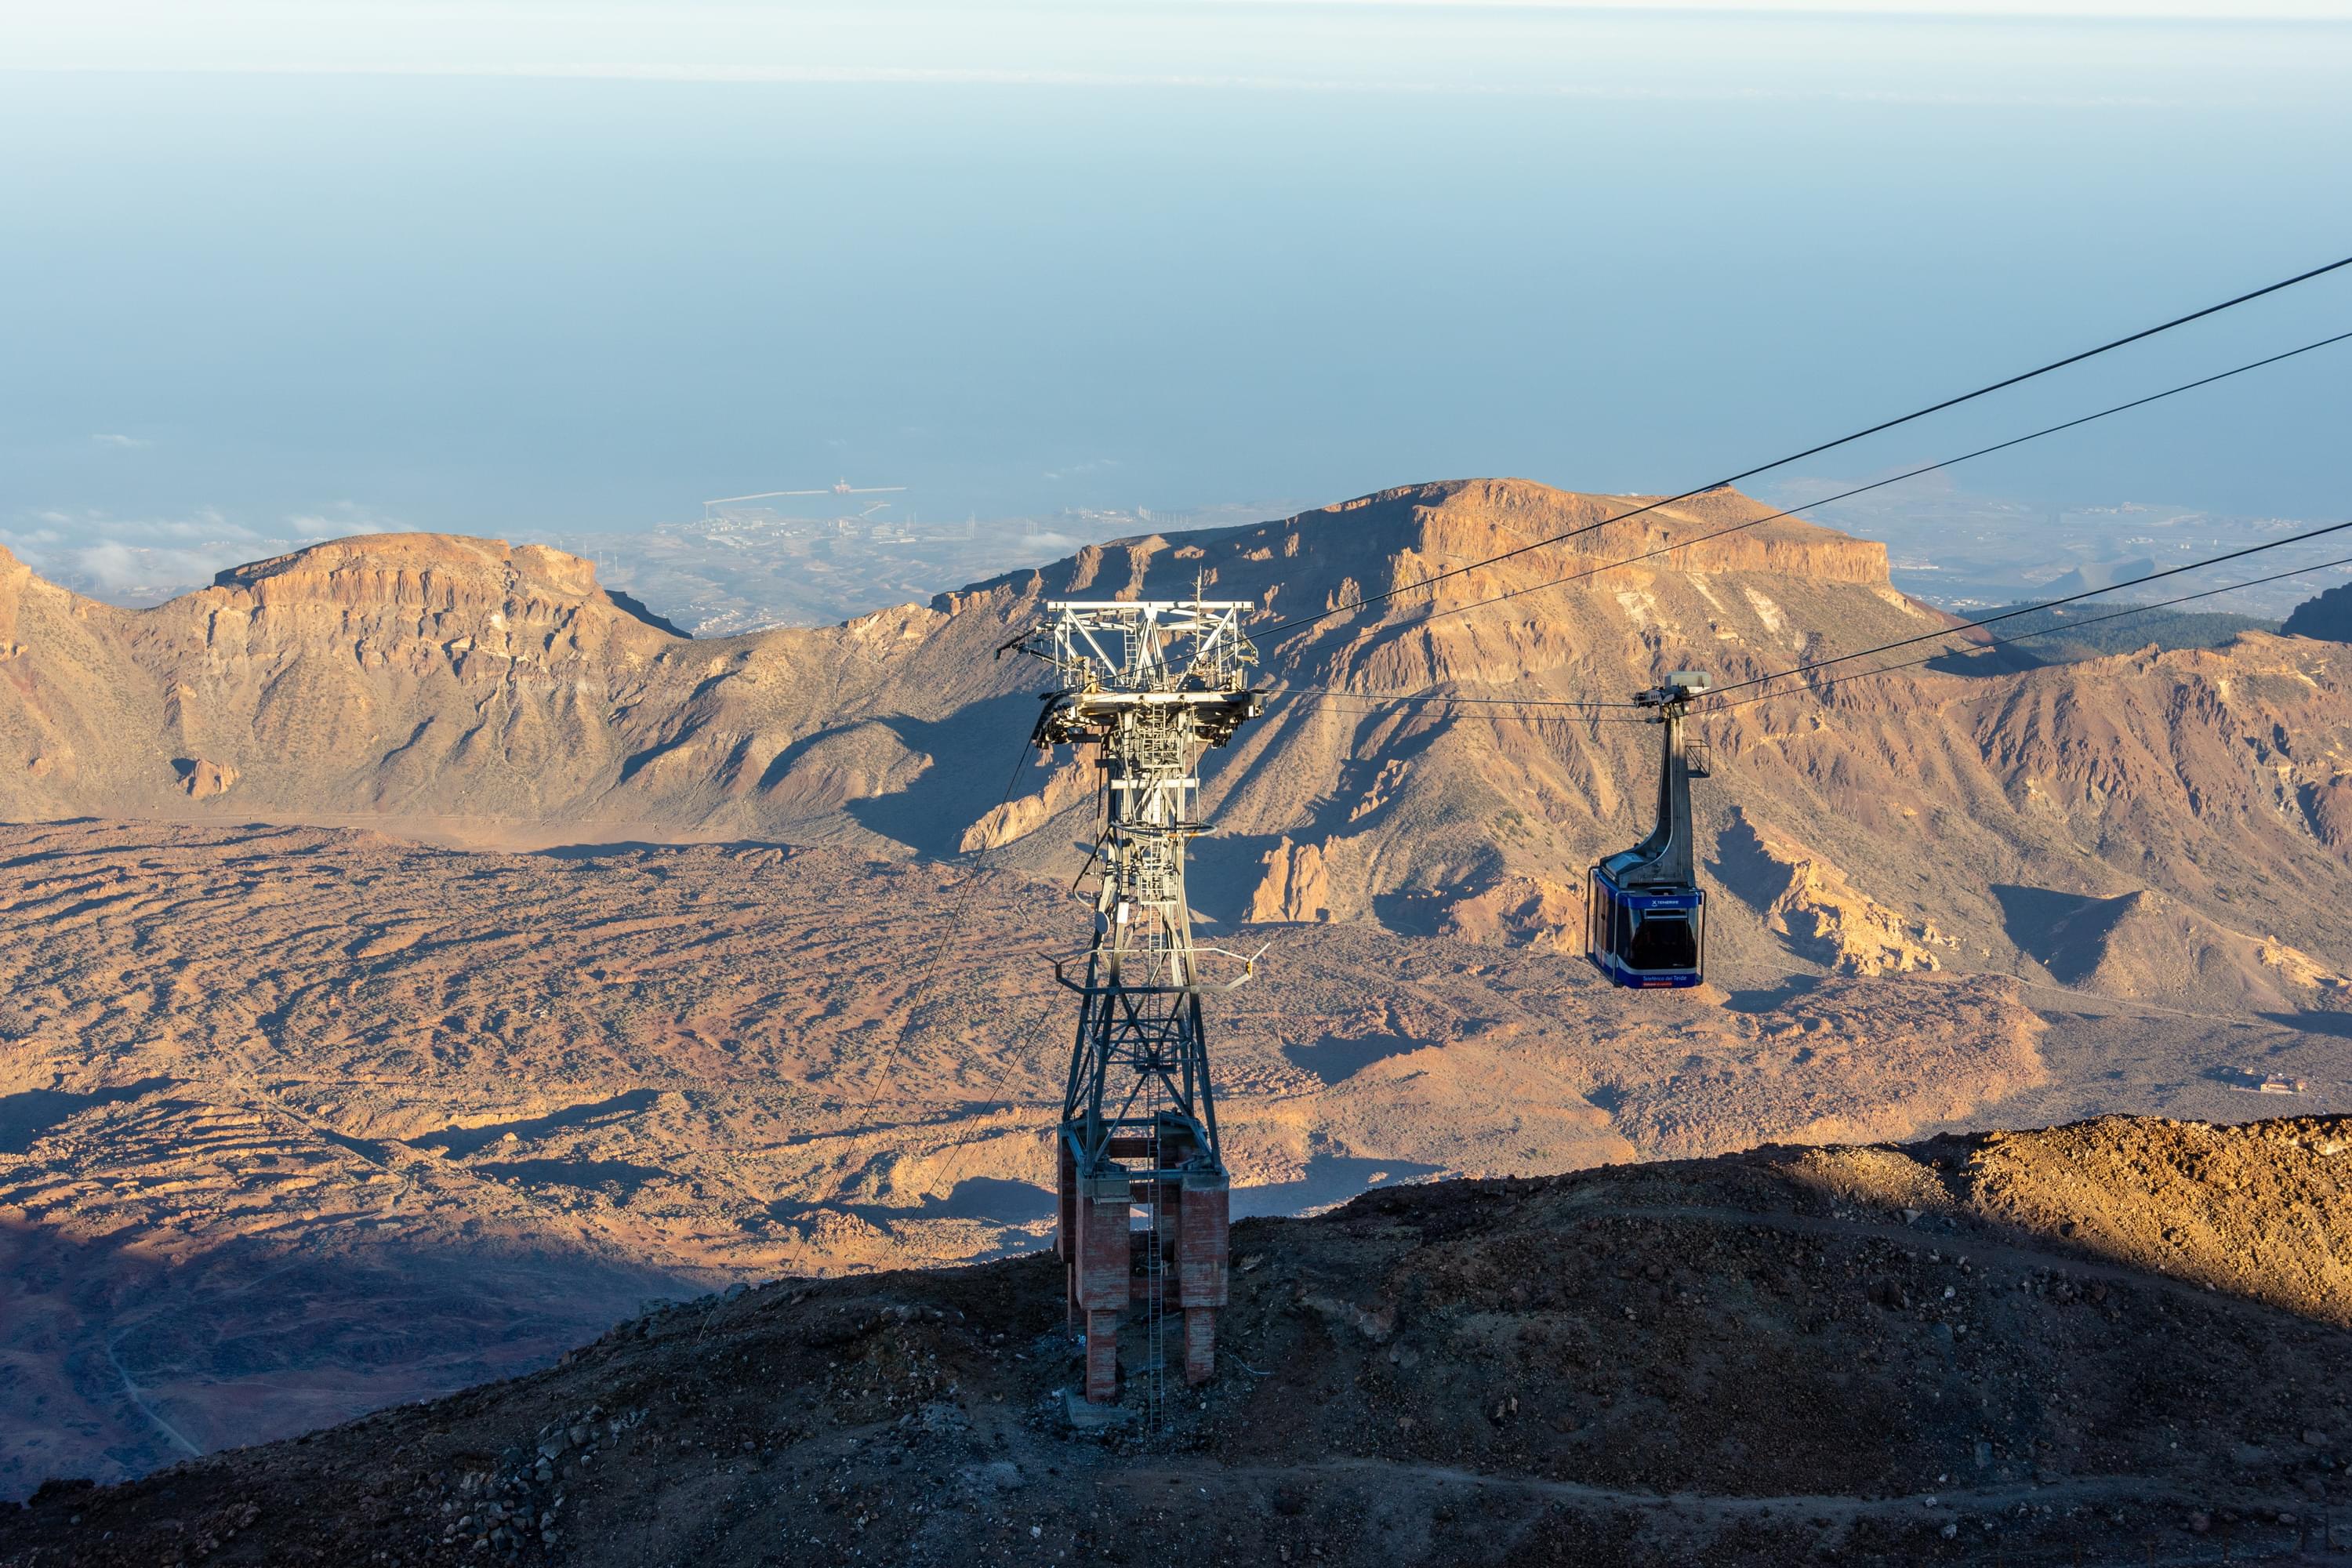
column 1149, row 685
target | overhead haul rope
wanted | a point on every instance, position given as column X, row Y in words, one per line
column 1323, row 700
column 2045, row 604
column 963, row 1145
column 1882, row 425
column 2057, row 630
column 1824, row 500
column 1942, row 632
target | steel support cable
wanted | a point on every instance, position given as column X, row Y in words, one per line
column 1804, row 670
column 1791, row 511
column 1488, row 708
column 1884, row 425
column 979, row 864
column 972, row 1128
column 2058, row 629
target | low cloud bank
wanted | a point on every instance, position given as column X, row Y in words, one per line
column 145, row 560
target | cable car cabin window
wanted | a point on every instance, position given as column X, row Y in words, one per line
column 1659, row 939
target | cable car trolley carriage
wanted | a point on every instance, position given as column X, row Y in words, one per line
column 1646, row 920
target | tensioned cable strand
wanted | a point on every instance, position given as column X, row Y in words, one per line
column 1882, row 425
column 1562, row 710
column 1826, row 500
column 2060, row 629
column 1803, row 669
column 947, row 932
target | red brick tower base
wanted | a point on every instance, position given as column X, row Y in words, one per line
column 1203, row 1241
column 1108, row 1265
column 1099, row 1266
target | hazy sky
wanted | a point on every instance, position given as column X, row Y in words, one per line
column 277, row 270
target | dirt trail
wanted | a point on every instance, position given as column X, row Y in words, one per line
column 138, row 1397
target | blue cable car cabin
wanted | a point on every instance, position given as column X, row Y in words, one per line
column 1647, row 937
column 1646, row 920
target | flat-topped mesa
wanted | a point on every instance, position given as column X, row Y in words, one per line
column 431, row 584
column 1395, row 540
column 1453, row 523
column 385, row 564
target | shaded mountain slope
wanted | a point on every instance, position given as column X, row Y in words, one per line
column 2327, row 615
column 2040, row 1345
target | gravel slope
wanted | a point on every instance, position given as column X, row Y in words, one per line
column 2039, row 1342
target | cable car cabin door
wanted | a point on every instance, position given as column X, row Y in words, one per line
column 1647, row 937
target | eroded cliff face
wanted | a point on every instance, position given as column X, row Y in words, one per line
column 423, row 679
column 73, row 706
column 401, row 672
column 14, row 578
column 1814, row 906
column 419, row 601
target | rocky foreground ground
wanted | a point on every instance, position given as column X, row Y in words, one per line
column 2119, row 1342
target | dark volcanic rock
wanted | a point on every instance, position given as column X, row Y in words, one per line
column 2327, row 617
column 2074, row 1341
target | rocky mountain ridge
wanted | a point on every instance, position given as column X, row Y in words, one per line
column 477, row 692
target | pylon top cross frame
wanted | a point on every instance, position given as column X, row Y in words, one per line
column 1118, row 654
column 1149, row 683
